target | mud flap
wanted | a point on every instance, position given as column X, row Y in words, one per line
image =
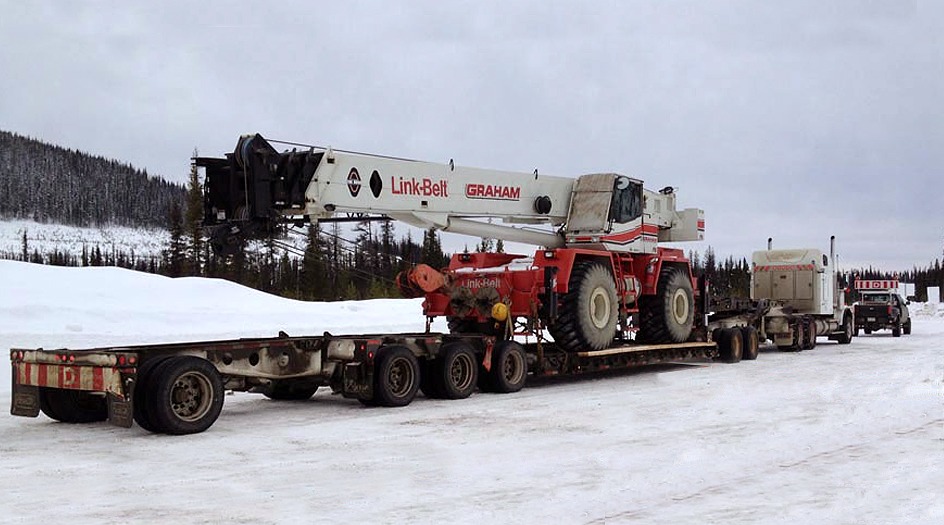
column 120, row 411
column 25, row 400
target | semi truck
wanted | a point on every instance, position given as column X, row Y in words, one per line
column 600, row 291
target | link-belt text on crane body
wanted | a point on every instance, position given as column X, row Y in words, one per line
column 425, row 187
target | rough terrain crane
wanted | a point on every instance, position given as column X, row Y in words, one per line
column 600, row 276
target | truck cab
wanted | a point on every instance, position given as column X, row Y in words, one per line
column 881, row 309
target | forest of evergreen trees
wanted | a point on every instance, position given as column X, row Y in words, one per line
column 52, row 184
column 48, row 183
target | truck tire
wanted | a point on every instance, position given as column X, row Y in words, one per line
column 143, row 386
column 751, row 343
column 896, row 330
column 396, row 376
column 731, row 345
column 455, row 373
column 797, row 341
column 588, row 311
column 289, row 390
column 845, row 337
column 187, row 396
column 810, row 332
column 668, row 317
column 72, row 406
column 868, row 330
column 509, row 369
column 906, row 328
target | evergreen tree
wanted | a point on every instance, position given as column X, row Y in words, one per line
column 175, row 254
column 194, row 220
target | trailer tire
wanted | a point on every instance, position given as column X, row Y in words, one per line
column 72, row 406
column 396, row 376
column 455, row 374
column 731, row 345
column 143, row 387
column 588, row 311
column 289, row 390
column 669, row 316
column 847, row 333
column 187, row 397
column 509, row 369
column 751, row 343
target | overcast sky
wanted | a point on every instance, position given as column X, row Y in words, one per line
column 794, row 120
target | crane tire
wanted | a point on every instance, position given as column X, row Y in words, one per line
column 668, row 317
column 588, row 311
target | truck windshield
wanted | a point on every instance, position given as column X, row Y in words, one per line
column 875, row 298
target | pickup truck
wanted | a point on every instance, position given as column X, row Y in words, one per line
column 882, row 310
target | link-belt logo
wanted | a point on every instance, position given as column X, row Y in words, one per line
column 493, row 191
column 482, row 282
column 419, row 187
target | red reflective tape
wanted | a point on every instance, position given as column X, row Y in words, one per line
column 98, row 379
column 42, row 375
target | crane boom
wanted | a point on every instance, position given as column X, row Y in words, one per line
column 256, row 186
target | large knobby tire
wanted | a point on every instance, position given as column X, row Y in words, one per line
column 588, row 311
column 186, row 396
column 508, row 371
column 731, row 345
column 72, row 406
column 669, row 316
column 751, row 343
column 396, row 376
column 289, row 390
column 455, row 373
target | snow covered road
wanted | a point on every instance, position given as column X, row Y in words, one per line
column 839, row 434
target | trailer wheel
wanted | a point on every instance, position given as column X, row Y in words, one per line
column 588, row 312
column 289, row 390
column 509, row 369
column 731, row 345
column 845, row 337
column 143, row 387
column 751, row 343
column 668, row 317
column 455, row 374
column 187, row 396
column 72, row 406
column 396, row 376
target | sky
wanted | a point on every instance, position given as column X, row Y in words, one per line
column 792, row 120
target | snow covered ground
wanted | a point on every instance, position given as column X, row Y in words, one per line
column 144, row 242
column 840, row 434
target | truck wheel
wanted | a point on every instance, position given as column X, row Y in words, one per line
column 455, row 374
column 668, row 317
column 143, row 387
column 72, row 406
column 731, row 345
column 896, row 330
column 509, row 369
column 751, row 343
column 396, row 376
column 810, row 331
column 797, row 341
column 847, row 333
column 868, row 331
column 289, row 390
column 588, row 312
column 187, row 396
column 906, row 328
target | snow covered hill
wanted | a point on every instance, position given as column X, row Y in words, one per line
column 143, row 242
column 840, row 434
